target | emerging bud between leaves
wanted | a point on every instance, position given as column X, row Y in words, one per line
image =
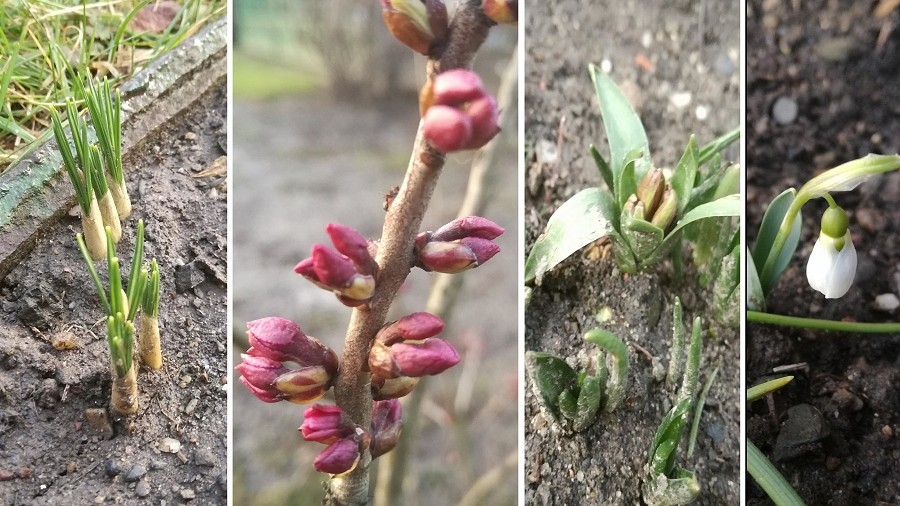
column 667, row 209
column 326, row 424
column 832, row 263
column 650, row 190
column 387, row 424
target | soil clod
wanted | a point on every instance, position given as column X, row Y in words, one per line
column 188, row 276
column 135, row 473
column 142, row 489
column 801, row 433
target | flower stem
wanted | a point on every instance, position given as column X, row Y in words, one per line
column 813, row 323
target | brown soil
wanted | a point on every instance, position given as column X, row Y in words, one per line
column 691, row 47
column 839, row 65
column 49, row 452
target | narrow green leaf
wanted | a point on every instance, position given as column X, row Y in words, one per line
column 685, row 174
column 769, row 479
column 624, row 129
column 584, row 218
column 698, row 412
column 768, row 230
column 617, row 383
column 757, row 391
column 713, row 148
column 93, row 272
column 725, row 206
column 627, row 179
column 589, row 399
column 605, row 171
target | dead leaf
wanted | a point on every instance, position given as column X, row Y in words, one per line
column 154, row 18
column 218, row 168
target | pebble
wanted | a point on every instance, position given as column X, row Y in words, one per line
column 832, row 463
column 681, row 100
column 204, row 457
column 702, row 112
column 142, row 489
column 169, row 445
column 7, row 475
column 25, row 472
column 804, row 427
column 606, row 65
column 847, row 399
column 887, row 302
column 99, row 420
column 887, row 430
column 187, row 494
column 191, row 406
column 785, row 110
column 112, row 468
column 190, row 136
column 135, row 473
column 835, row 49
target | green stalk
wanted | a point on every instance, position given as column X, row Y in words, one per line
column 81, row 181
column 769, row 479
column 93, row 272
column 150, row 304
column 135, row 279
column 698, row 410
column 676, row 358
column 813, row 323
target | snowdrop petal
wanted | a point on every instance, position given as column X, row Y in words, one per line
column 830, row 271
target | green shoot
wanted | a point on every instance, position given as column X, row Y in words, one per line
column 769, row 479
column 81, row 179
column 676, row 359
column 618, row 376
column 698, row 410
column 150, row 304
column 106, row 119
column 766, row 388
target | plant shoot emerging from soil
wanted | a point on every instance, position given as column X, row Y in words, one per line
column 643, row 211
column 383, row 361
column 151, row 351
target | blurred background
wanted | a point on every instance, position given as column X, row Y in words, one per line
column 325, row 113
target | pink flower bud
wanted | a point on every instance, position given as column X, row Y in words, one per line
column 353, row 245
column 417, row 326
column 412, row 358
column 470, row 226
column 483, row 112
column 326, row 424
column 336, row 273
column 331, row 268
column 387, row 424
column 453, row 257
column 392, row 388
column 447, row 128
column 456, row 87
column 259, row 375
column 339, row 458
column 282, row 340
column 271, row 381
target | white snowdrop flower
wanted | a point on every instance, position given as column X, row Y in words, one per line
column 832, row 263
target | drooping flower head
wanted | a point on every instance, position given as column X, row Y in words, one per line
column 832, row 263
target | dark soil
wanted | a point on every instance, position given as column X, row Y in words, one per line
column 305, row 161
column 49, row 453
column 691, row 47
column 841, row 67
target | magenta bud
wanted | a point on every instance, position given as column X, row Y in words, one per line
column 392, row 388
column 339, row 458
column 259, row 375
column 483, row 112
column 412, row 358
column 326, row 424
column 282, row 340
column 483, row 249
column 387, row 423
column 456, row 87
column 417, row 326
column 261, row 394
column 306, row 269
column 331, row 268
column 353, row 245
column 447, row 128
column 470, row 226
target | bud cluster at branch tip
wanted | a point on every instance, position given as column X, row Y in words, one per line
column 464, row 243
column 459, row 113
column 420, row 24
column 349, row 272
column 274, row 341
column 407, row 348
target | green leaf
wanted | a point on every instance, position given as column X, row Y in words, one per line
column 605, row 171
column 589, row 399
column 627, row 180
column 568, row 404
column 768, row 230
column 617, row 384
column 584, row 218
column 624, row 129
column 756, row 298
column 685, row 173
column 551, row 377
column 710, row 150
column 757, row 391
column 769, row 479
column 643, row 236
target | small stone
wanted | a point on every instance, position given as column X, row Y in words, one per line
column 832, row 463
column 547, row 154
column 846, row 399
column 191, row 406
column 25, row 472
column 99, row 499
column 48, row 393
column 681, row 100
column 801, row 433
column 190, row 136
column 785, row 110
column 204, row 457
column 99, row 420
column 112, row 468
column 169, row 445
column 188, row 494
column 606, row 65
column 135, row 473
column 188, row 276
column 659, row 372
column 702, row 112
column 6, row 475
column 887, row 430
column 142, row 489
column 835, row 49
column 887, row 302
column 71, row 467
column 64, row 340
